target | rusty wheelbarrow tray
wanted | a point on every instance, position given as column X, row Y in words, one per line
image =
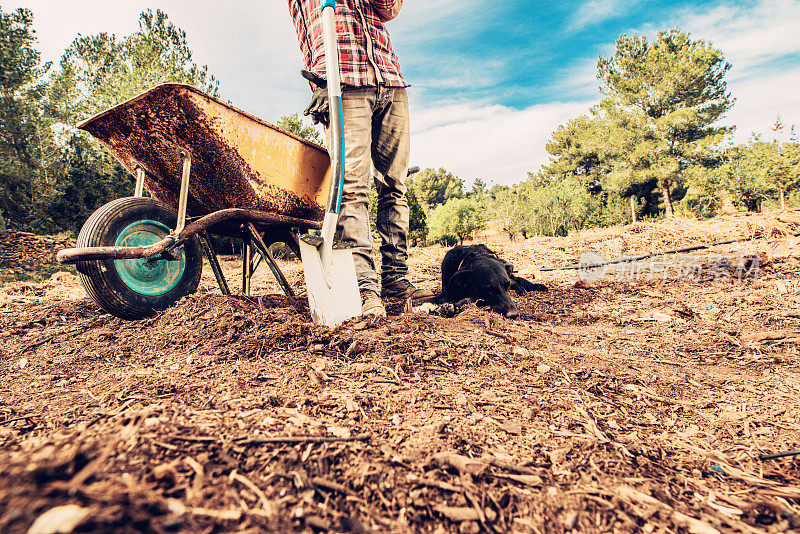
column 202, row 159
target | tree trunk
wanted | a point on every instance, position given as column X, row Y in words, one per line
column 633, row 210
column 783, row 204
column 667, row 200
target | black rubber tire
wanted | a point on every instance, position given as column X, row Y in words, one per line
column 100, row 277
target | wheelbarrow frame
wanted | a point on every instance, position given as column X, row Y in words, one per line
column 275, row 228
column 257, row 229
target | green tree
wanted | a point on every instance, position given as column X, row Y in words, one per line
column 479, row 191
column 27, row 150
column 580, row 149
column 791, row 151
column 779, row 162
column 433, row 188
column 662, row 99
column 776, row 168
column 456, row 218
column 294, row 124
column 741, row 174
column 89, row 179
column 556, row 207
column 100, row 71
column 509, row 210
column 587, row 150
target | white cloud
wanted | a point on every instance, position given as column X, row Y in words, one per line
column 594, row 12
column 761, row 99
column 494, row 143
column 749, row 36
column 580, row 80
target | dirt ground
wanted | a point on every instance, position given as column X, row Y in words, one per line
column 626, row 404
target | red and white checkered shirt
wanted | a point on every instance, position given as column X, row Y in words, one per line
column 365, row 50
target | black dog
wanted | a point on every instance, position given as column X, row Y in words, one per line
column 476, row 274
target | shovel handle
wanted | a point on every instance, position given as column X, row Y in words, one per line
column 336, row 121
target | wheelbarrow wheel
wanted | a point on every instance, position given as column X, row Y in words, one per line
column 133, row 289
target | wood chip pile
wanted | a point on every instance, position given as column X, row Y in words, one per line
column 27, row 253
column 654, row 406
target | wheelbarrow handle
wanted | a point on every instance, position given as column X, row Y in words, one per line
column 336, row 122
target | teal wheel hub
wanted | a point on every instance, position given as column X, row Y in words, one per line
column 150, row 278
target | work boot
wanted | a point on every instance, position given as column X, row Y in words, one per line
column 403, row 289
column 371, row 304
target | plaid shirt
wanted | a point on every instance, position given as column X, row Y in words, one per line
column 365, row 50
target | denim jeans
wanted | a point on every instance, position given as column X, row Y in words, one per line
column 376, row 136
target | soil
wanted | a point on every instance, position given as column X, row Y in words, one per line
column 610, row 405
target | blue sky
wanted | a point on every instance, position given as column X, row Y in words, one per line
column 491, row 79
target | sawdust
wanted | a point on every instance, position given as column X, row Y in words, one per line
column 150, row 131
column 627, row 407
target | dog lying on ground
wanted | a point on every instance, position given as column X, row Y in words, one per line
column 475, row 273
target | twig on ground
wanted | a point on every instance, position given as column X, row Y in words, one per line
column 199, row 439
column 89, row 469
column 500, row 335
column 659, row 398
column 508, row 466
column 301, row 439
column 437, row 369
column 695, row 525
column 20, row 418
column 223, row 515
column 37, row 343
column 199, row 478
column 414, row 479
column 394, row 373
column 268, row 508
column 331, row 485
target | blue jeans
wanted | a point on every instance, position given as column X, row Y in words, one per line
column 376, row 135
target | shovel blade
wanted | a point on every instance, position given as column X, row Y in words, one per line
column 339, row 302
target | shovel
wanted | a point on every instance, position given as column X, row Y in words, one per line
column 330, row 273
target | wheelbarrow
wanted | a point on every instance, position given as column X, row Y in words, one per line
column 210, row 169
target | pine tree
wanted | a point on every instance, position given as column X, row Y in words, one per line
column 433, row 188
column 662, row 99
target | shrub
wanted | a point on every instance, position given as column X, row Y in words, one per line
column 457, row 218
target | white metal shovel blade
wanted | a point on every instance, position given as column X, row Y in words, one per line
column 341, row 301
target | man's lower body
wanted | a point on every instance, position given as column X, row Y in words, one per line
column 377, row 134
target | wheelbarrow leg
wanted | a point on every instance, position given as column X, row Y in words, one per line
column 211, row 254
column 287, row 237
column 247, row 262
column 256, row 261
column 263, row 250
